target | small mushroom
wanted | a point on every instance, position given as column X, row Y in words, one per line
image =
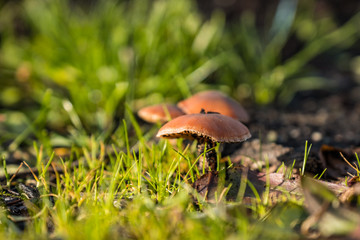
column 160, row 113
column 214, row 101
column 207, row 128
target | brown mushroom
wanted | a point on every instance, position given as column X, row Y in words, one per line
column 214, row 101
column 207, row 128
column 160, row 113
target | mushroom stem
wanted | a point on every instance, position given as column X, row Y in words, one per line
column 208, row 163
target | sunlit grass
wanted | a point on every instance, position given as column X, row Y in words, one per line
column 97, row 59
column 108, row 191
column 114, row 194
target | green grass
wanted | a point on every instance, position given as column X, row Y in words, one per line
column 74, row 78
column 258, row 62
column 306, row 156
column 118, row 194
column 75, row 69
column 97, row 59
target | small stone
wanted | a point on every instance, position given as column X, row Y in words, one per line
column 316, row 136
column 272, row 136
column 295, row 133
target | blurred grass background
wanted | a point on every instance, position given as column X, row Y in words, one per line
column 69, row 68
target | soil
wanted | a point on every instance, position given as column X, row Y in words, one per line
column 328, row 119
column 321, row 117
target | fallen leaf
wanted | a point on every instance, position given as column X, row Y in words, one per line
column 336, row 166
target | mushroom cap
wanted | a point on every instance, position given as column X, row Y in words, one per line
column 210, row 127
column 160, row 113
column 214, row 101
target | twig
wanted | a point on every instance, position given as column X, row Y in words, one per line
column 355, row 168
column 36, row 179
column 13, row 176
